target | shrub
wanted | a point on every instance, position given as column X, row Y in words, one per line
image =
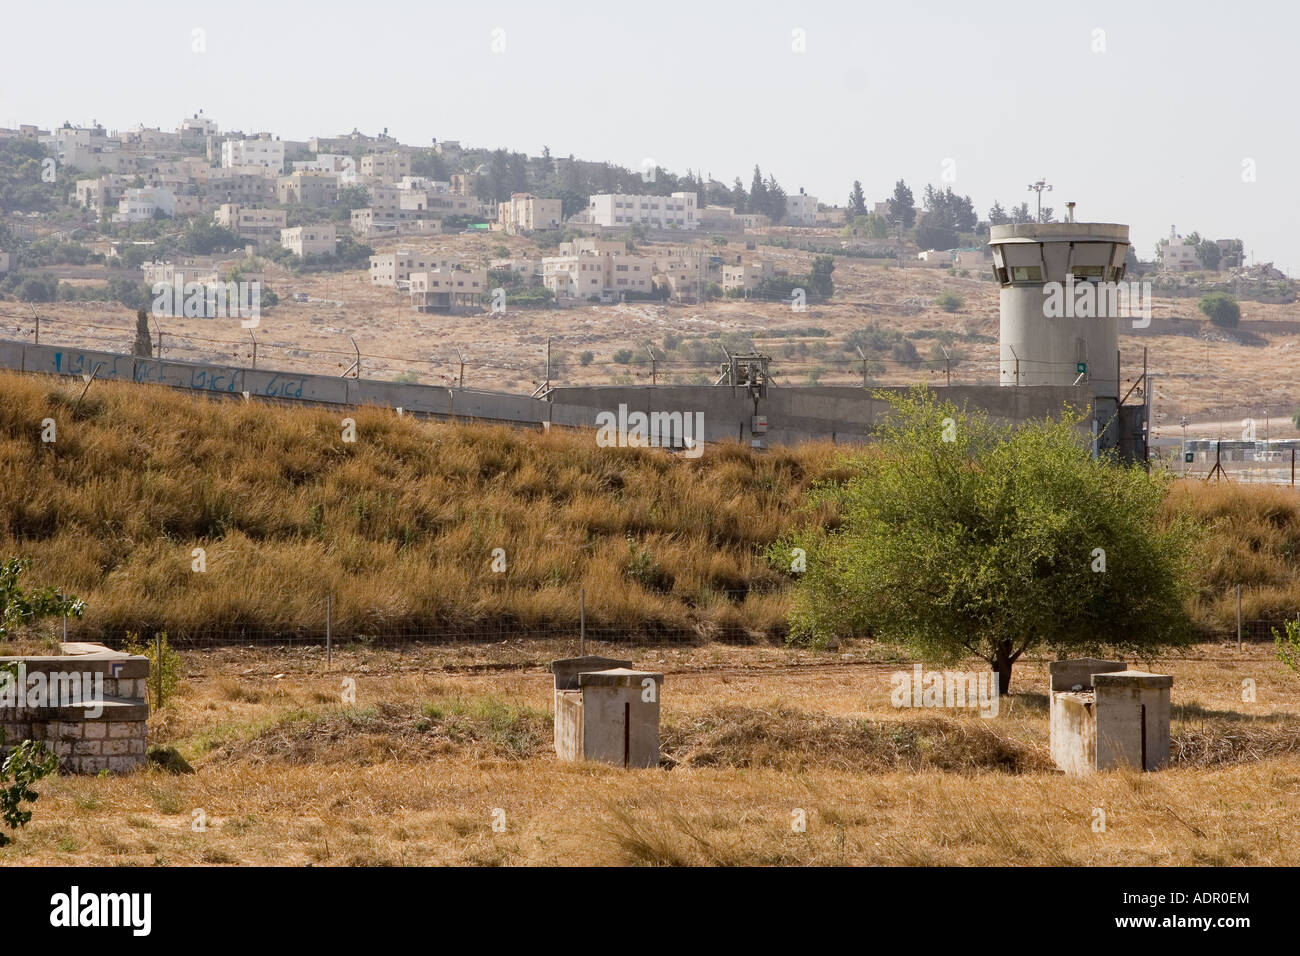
column 170, row 665
column 1221, row 308
column 1288, row 644
column 949, row 302
column 904, row 353
column 24, row 765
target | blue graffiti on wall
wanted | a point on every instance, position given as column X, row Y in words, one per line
column 214, row 380
column 83, row 363
column 283, row 388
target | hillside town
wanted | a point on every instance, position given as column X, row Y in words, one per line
column 210, row 205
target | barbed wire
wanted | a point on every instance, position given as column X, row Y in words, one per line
column 876, row 363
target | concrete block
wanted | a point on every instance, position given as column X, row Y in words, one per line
column 1133, row 711
column 620, row 716
column 1107, row 718
column 568, row 700
column 567, row 669
column 1074, row 731
column 606, row 711
column 568, row 724
column 1077, row 674
column 95, row 730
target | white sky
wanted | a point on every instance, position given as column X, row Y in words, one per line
column 1152, row 132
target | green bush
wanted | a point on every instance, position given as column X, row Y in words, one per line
column 1288, row 644
column 1221, row 308
column 949, row 302
column 170, row 666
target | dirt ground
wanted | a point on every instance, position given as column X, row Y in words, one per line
column 771, row 755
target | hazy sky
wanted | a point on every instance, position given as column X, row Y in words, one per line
column 1152, row 131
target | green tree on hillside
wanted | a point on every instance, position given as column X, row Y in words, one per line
column 739, row 198
column 820, row 277
column 902, row 207
column 204, row 237
column 857, row 200
column 961, row 536
column 143, row 341
column 1221, row 308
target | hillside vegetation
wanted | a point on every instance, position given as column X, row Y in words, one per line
column 400, row 526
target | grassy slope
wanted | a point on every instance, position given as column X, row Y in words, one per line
column 401, row 525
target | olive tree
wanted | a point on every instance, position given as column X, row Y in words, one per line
column 956, row 535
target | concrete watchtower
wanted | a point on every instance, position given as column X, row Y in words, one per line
column 1044, row 339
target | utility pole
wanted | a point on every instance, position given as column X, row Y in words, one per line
column 1038, row 187
column 1183, row 450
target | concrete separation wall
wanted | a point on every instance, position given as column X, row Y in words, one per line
column 819, row 412
column 233, row 381
column 839, row 413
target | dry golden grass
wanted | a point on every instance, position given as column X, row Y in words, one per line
column 1253, row 539
column 438, row 738
column 401, row 525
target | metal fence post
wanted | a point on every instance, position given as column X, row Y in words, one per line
column 158, row 682
column 1238, row 617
